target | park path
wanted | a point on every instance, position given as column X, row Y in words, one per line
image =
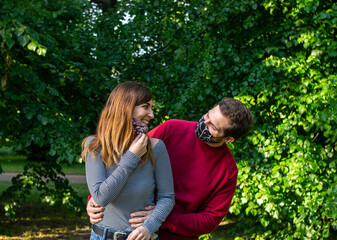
column 72, row 178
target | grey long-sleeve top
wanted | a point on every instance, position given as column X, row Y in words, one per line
column 128, row 187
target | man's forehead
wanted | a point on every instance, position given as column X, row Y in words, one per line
column 214, row 109
column 218, row 119
column 213, row 116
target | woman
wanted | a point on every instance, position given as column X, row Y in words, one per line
column 124, row 168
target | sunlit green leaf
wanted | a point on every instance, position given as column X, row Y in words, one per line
column 41, row 51
column 32, row 46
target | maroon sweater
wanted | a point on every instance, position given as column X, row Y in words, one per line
column 204, row 181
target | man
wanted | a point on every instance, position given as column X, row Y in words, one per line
column 203, row 167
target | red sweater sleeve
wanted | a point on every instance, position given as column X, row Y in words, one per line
column 207, row 219
column 88, row 198
column 158, row 132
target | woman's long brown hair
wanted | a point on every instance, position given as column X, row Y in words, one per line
column 114, row 133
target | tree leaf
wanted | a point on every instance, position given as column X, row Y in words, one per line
column 32, row 46
column 23, row 40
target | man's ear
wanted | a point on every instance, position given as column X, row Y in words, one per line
column 229, row 139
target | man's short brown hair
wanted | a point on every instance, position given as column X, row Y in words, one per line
column 239, row 115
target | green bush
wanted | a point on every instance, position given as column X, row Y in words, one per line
column 278, row 57
column 49, row 180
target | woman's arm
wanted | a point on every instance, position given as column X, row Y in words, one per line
column 164, row 187
column 105, row 188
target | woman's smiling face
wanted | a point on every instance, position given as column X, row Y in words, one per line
column 143, row 112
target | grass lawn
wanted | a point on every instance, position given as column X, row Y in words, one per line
column 40, row 221
column 17, row 164
column 37, row 220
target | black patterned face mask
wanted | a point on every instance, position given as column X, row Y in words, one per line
column 202, row 131
column 139, row 127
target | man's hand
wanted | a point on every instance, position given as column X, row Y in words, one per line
column 139, row 217
column 95, row 211
column 140, row 233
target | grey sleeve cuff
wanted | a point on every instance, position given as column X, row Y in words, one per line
column 129, row 160
column 159, row 214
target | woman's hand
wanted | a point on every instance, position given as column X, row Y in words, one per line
column 140, row 233
column 138, row 146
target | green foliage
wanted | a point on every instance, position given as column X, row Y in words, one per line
column 46, row 102
column 45, row 99
column 286, row 185
column 278, row 57
column 46, row 178
column 206, row 236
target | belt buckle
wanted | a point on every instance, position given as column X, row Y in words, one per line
column 118, row 234
column 154, row 236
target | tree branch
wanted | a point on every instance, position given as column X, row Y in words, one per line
column 106, row 4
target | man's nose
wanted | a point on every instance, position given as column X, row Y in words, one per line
column 206, row 119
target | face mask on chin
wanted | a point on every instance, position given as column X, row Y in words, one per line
column 139, row 127
column 202, row 132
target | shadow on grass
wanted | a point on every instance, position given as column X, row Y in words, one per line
column 41, row 221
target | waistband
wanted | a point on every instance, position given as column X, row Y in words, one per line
column 115, row 235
